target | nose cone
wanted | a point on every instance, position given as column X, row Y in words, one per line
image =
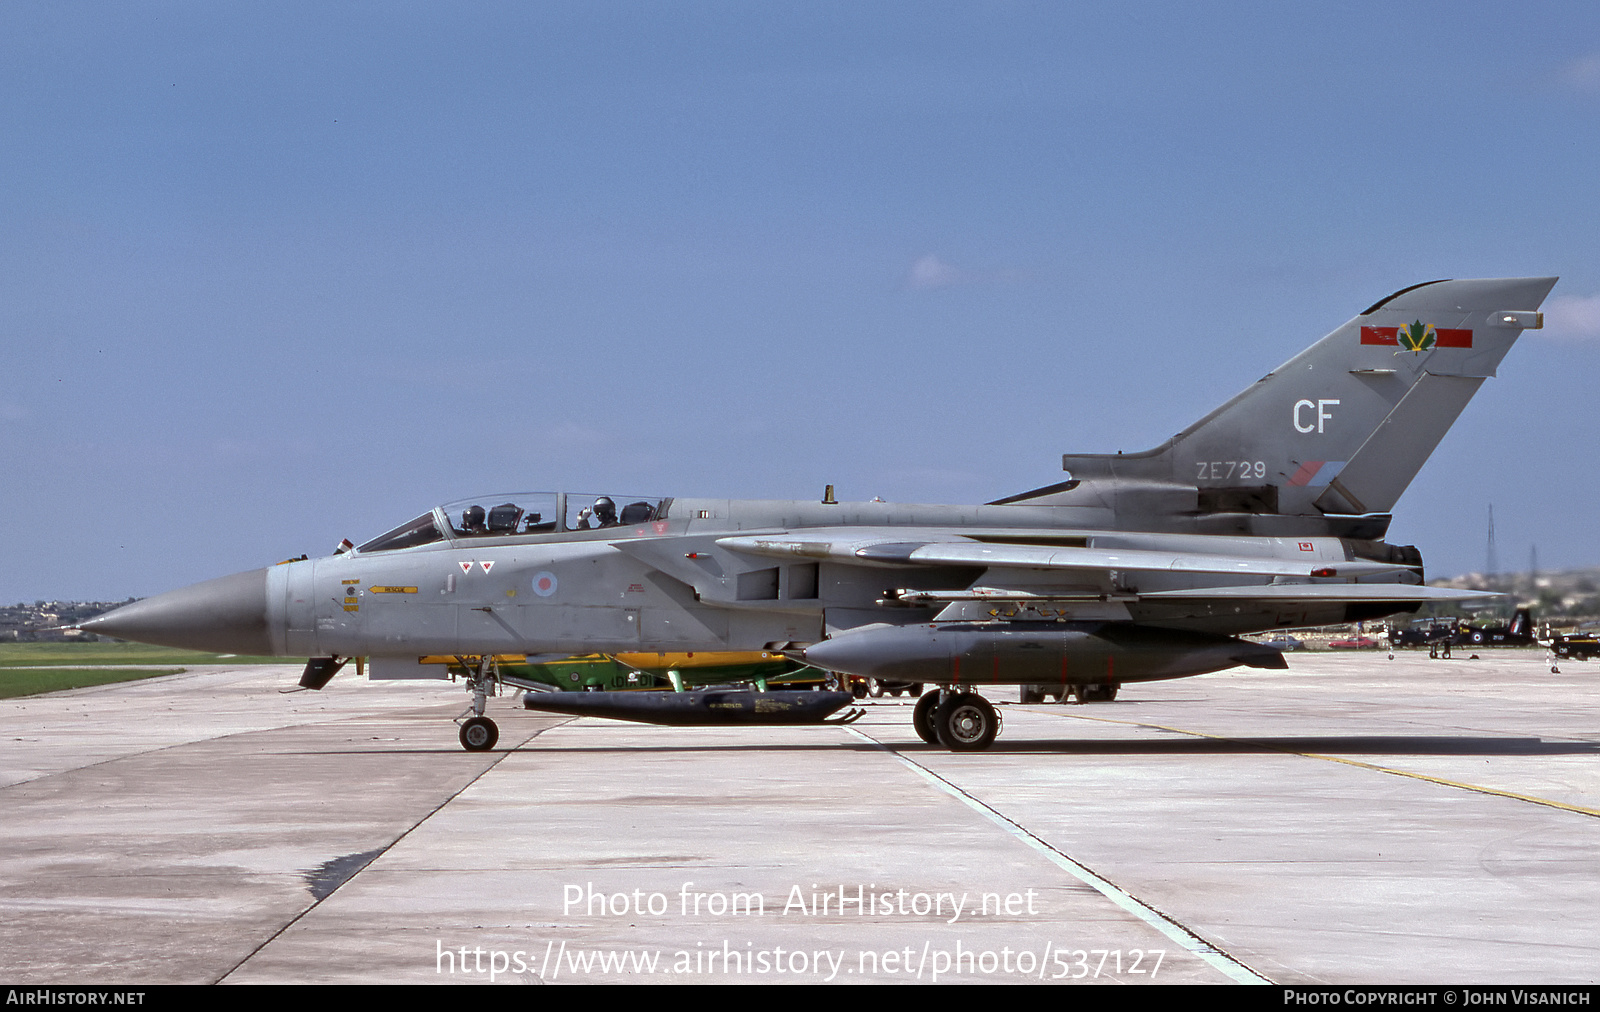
column 228, row 615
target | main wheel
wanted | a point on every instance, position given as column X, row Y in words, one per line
column 1102, row 693
column 874, row 688
column 1031, row 693
column 966, row 722
column 922, row 717
column 478, row 734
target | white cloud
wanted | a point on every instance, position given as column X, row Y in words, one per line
column 931, row 272
column 1573, row 316
column 1583, row 73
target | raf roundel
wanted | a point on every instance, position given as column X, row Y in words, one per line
column 544, row 584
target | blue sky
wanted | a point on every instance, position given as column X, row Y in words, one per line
column 271, row 276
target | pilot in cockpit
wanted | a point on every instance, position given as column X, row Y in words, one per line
column 603, row 514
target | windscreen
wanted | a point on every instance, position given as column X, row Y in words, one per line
column 420, row 531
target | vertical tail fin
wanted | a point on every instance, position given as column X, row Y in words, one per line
column 1344, row 426
column 1522, row 623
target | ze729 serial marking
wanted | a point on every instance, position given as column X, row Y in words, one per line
column 1225, row 469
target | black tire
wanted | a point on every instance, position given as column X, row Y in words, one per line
column 479, row 734
column 874, row 688
column 1031, row 694
column 1097, row 693
column 922, row 717
column 966, row 722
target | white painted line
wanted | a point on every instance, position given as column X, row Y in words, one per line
column 1180, row 935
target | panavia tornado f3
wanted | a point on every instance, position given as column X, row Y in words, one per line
column 1268, row 513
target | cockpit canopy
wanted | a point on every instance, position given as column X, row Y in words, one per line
column 518, row 515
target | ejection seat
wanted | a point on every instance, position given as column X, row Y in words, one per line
column 503, row 518
column 637, row 513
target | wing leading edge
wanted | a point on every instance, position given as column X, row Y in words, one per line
column 1020, row 574
column 854, row 550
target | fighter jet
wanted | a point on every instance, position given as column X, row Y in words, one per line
column 1268, row 513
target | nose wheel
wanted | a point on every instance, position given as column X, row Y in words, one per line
column 479, row 734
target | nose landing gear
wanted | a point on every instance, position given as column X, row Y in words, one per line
column 479, row 733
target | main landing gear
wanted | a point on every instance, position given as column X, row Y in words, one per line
column 966, row 722
column 960, row 721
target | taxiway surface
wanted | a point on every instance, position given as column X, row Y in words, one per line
column 1352, row 819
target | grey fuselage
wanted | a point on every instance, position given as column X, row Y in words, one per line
column 668, row 585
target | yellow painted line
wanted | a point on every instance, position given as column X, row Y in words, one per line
column 1425, row 778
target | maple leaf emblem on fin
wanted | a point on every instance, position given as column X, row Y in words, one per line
column 1417, row 336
